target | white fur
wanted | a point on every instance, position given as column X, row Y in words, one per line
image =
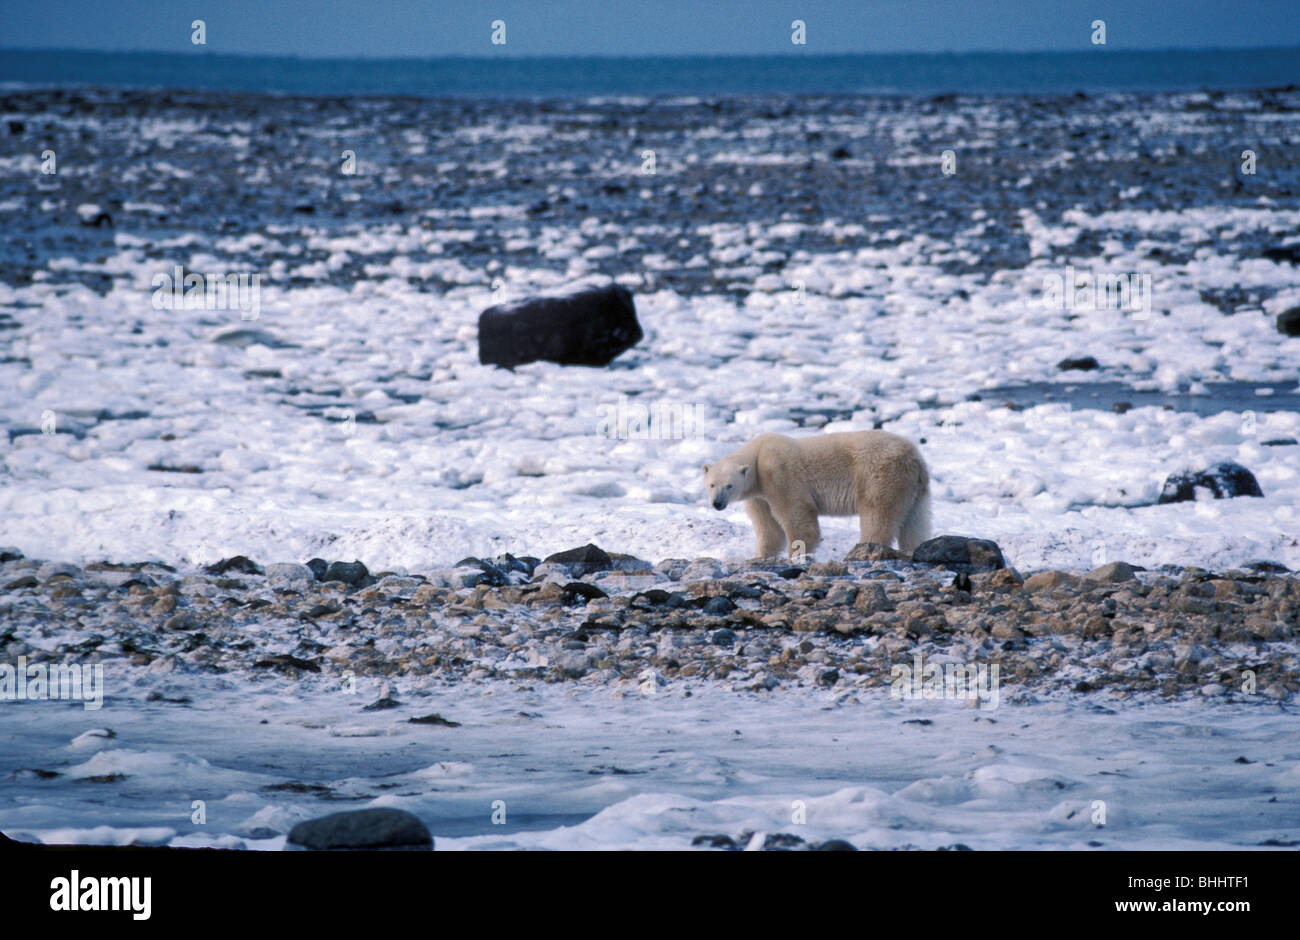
column 787, row 483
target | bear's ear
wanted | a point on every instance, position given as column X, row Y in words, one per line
column 705, row 468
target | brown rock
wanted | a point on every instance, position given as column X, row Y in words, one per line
column 1111, row 573
column 828, row 569
column 1005, row 579
column 1050, row 581
column 874, row 551
column 871, row 598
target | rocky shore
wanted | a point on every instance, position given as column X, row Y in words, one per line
column 607, row 620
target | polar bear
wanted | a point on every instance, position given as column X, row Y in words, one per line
column 787, row 483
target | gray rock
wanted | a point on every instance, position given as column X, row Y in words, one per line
column 349, row 572
column 874, row 551
column 719, row 606
column 378, row 828
column 573, row 664
column 243, row 338
column 836, row 845
column 961, row 554
column 1288, row 322
column 1111, row 573
column 579, row 561
column 289, row 573
column 237, row 563
column 1222, row 481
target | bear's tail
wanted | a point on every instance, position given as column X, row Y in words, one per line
column 916, row 526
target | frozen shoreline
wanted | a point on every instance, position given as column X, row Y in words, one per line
column 588, row 770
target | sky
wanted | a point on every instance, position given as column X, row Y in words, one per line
column 435, row 28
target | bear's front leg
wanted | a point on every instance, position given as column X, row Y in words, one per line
column 802, row 529
column 768, row 532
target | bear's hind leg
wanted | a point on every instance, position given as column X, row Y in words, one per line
column 880, row 519
column 768, row 532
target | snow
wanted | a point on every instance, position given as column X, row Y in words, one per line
column 591, row 769
column 462, row 459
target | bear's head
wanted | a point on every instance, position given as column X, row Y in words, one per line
column 727, row 481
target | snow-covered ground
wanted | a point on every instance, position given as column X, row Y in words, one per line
column 470, row 460
column 590, row 770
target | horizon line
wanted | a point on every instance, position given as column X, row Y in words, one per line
column 524, row 57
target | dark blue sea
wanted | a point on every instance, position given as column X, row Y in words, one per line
column 505, row 77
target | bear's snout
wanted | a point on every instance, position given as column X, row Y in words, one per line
column 719, row 503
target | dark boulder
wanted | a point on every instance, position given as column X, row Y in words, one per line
column 237, row 563
column 719, row 606
column 1083, row 364
column 960, row 554
column 580, row 561
column 587, row 329
column 1280, row 253
column 1223, row 481
column 349, row 572
column 1288, row 322
column 363, row 829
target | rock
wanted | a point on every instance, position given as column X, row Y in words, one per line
column 573, row 664
column 27, row 581
column 1050, row 580
column 579, row 561
column 958, row 553
column 290, row 573
column 716, row 842
column 1268, row 567
column 243, row 338
column 1223, row 481
column 237, row 563
column 841, row 153
column 318, row 567
column 1288, row 322
column 841, row 595
column 349, row 572
column 1283, row 253
column 377, row 828
column 9, row 553
column 827, row 569
column 871, row 598
column 509, row 563
column 588, row 592
column 783, row 842
column 725, row 638
column 1083, row 364
column 874, row 551
column 490, row 573
column 93, row 216
column 587, row 329
column 1111, row 573
column 1005, row 579
column 835, row 845
column 1280, row 442
column 719, row 606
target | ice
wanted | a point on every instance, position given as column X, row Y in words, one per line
column 581, row 769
